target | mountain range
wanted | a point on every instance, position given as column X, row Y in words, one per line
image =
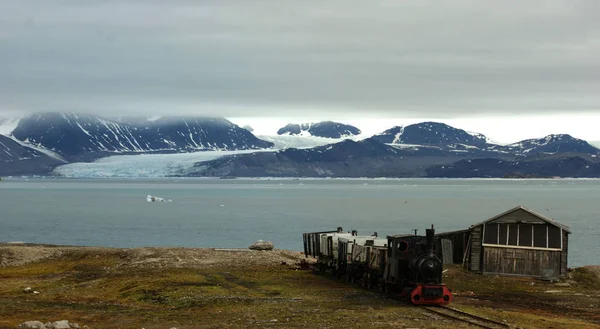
column 43, row 141
column 85, row 137
column 326, row 129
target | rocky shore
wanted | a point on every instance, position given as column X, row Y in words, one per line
column 94, row 287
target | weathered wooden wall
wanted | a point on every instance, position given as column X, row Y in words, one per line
column 563, row 259
column 475, row 254
column 522, row 262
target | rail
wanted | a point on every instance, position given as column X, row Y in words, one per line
column 472, row 319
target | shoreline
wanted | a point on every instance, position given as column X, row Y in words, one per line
column 160, row 247
column 275, row 178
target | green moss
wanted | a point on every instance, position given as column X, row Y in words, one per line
column 586, row 277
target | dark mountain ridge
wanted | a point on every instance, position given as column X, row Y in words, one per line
column 564, row 166
column 421, row 150
column 556, row 143
column 84, row 137
column 327, row 129
column 431, row 133
column 18, row 159
column 427, row 149
column 365, row 158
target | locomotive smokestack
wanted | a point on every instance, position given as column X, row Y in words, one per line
column 430, row 233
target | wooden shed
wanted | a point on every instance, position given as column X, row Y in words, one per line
column 518, row 242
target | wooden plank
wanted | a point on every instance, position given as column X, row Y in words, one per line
column 447, row 251
column 520, row 247
column 476, row 256
column 467, row 249
column 564, row 255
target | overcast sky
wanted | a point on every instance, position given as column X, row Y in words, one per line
column 473, row 63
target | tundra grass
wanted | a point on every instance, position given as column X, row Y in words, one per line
column 103, row 290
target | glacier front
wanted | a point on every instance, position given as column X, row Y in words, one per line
column 142, row 165
column 179, row 164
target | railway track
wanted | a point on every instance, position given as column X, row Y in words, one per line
column 472, row 319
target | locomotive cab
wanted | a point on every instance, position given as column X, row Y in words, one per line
column 414, row 270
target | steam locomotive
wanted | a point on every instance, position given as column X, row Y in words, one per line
column 405, row 265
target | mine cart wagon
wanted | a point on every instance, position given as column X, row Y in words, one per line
column 346, row 245
column 312, row 242
column 368, row 260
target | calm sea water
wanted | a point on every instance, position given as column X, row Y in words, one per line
column 235, row 213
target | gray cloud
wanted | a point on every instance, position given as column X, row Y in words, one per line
column 418, row 58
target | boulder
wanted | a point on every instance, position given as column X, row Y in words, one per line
column 32, row 324
column 262, row 245
column 63, row 324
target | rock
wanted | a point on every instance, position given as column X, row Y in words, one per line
column 262, row 245
column 62, row 324
column 32, row 324
column 28, row 289
column 35, row 292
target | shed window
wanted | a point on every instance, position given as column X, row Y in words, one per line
column 539, row 236
column 503, row 234
column 491, row 234
column 525, row 235
column 522, row 235
column 513, row 231
column 554, row 237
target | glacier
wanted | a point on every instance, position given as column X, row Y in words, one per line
column 304, row 141
column 164, row 165
column 141, row 165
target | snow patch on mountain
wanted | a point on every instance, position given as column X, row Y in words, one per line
column 49, row 153
column 7, row 125
column 303, row 142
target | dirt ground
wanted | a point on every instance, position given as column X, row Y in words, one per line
column 208, row 288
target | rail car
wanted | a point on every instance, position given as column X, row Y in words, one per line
column 400, row 264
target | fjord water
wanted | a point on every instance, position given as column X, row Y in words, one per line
column 235, row 213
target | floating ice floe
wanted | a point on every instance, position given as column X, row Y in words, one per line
column 151, row 198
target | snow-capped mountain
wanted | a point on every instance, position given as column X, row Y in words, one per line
column 81, row 137
column 552, row 144
column 433, row 134
column 327, row 129
column 10, row 150
column 16, row 158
